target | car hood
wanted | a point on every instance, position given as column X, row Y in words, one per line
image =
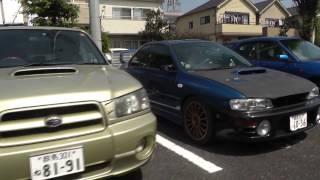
column 259, row 82
column 26, row 87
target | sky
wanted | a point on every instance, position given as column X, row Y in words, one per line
column 187, row 5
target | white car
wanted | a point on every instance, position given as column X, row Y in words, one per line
column 114, row 50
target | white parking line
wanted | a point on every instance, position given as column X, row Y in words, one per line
column 190, row 156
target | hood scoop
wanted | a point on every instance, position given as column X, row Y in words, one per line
column 44, row 71
column 250, row 71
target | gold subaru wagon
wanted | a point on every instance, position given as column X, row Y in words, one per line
column 64, row 112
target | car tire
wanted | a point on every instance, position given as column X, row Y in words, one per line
column 198, row 121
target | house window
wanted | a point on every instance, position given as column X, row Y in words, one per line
column 121, row 13
column 140, row 14
column 235, row 18
column 205, row 20
column 191, row 25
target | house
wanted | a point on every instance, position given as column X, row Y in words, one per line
column 227, row 20
column 272, row 15
column 221, row 21
column 121, row 19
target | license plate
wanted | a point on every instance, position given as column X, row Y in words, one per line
column 56, row 164
column 298, row 121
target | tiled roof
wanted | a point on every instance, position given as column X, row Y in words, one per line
column 210, row 4
column 263, row 4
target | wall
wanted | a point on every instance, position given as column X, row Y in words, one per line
column 274, row 31
column 118, row 26
column 122, row 26
column 198, row 29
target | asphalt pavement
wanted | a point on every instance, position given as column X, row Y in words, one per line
column 291, row 158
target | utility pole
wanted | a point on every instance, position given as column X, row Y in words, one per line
column 2, row 12
column 95, row 22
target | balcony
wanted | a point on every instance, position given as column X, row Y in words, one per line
column 122, row 25
column 238, row 26
column 275, row 31
column 239, row 29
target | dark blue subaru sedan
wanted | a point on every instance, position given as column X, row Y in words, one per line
column 290, row 55
column 211, row 90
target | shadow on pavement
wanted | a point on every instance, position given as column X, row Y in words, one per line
column 228, row 147
column 135, row 175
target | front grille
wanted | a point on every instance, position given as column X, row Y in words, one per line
column 24, row 126
column 289, row 100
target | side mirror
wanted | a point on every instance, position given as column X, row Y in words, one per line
column 168, row 68
column 284, row 57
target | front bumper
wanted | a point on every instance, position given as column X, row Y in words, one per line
column 241, row 126
column 109, row 153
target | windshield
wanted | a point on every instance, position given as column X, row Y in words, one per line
column 304, row 50
column 46, row 47
column 207, row 56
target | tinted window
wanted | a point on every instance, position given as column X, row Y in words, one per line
column 270, row 51
column 141, row 59
column 207, row 55
column 248, row 50
column 304, row 50
column 160, row 56
column 46, row 47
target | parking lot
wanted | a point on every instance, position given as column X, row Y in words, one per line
column 291, row 158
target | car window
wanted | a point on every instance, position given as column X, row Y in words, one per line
column 160, row 56
column 141, row 58
column 204, row 55
column 47, row 47
column 248, row 50
column 304, row 50
column 269, row 51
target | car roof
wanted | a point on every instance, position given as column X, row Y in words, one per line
column 39, row 28
column 264, row 38
column 173, row 42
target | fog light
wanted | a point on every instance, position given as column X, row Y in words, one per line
column 145, row 148
column 264, row 128
column 142, row 145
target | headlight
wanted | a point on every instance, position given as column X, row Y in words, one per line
column 314, row 93
column 127, row 105
column 250, row 104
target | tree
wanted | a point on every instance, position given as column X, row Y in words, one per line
column 308, row 13
column 51, row 12
column 156, row 28
column 284, row 29
column 317, row 41
column 105, row 42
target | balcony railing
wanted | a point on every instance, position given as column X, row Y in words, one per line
column 243, row 20
column 124, row 18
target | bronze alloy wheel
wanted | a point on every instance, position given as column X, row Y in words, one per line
column 197, row 121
